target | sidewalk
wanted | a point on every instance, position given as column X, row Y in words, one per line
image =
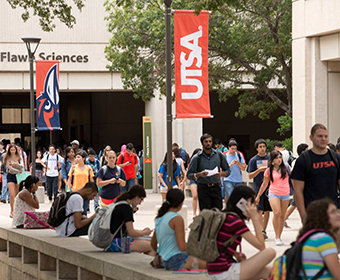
column 145, row 217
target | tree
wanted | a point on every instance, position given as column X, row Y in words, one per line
column 47, row 11
column 249, row 45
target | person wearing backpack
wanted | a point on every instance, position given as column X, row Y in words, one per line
column 233, row 265
column 123, row 214
column 169, row 235
column 129, row 162
column 110, row 178
column 74, row 223
column 79, row 175
column 314, row 254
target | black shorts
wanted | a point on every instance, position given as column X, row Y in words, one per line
column 264, row 202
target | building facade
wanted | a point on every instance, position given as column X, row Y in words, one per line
column 316, row 67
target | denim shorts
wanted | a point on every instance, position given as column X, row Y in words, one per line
column 116, row 245
column 193, row 182
column 281, row 197
column 176, row 262
column 233, row 273
column 11, row 178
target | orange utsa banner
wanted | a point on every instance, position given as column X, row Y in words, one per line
column 191, row 64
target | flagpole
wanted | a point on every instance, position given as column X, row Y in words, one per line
column 28, row 41
column 169, row 177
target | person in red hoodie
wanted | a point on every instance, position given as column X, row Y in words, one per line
column 129, row 162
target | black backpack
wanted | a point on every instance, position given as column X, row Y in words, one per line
column 58, row 209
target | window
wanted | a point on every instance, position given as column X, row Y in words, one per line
column 16, row 116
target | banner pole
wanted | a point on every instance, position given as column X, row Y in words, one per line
column 168, row 92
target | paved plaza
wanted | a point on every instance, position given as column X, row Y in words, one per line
column 145, row 217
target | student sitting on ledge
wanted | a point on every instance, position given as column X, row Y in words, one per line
column 76, row 224
column 26, row 200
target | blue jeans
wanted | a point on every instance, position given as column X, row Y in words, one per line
column 4, row 192
column 128, row 185
column 228, row 187
column 176, row 262
column 52, row 186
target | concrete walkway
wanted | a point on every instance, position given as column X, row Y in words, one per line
column 146, row 215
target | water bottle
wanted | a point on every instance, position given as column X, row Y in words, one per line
column 125, row 244
column 195, row 265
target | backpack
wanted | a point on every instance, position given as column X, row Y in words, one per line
column 291, row 158
column 289, row 264
column 204, row 229
column 105, row 169
column 123, row 157
column 99, row 231
column 58, row 209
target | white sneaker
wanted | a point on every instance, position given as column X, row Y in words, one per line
column 278, row 242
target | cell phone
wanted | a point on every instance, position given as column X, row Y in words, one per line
column 240, row 205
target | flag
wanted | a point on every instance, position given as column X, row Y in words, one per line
column 191, row 64
column 47, row 84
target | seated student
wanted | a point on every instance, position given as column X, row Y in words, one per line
column 224, row 267
column 124, row 213
column 320, row 248
column 77, row 224
column 170, row 234
column 26, row 200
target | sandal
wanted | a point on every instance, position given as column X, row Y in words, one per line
column 11, row 214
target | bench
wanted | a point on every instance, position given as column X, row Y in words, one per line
column 39, row 254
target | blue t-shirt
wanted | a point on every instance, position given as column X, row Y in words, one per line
column 235, row 172
column 165, row 173
column 110, row 191
column 255, row 163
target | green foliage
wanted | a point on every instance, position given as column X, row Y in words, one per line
column 285, row 124
column 47, row 11
column 287, row 143
column 249, row 47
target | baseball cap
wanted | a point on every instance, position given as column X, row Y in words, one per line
column 75, row 142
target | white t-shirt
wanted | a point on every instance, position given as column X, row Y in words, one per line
column 74, row 204
column 52, row 163
column 285, row 156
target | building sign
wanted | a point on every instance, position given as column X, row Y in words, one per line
column 65, row 58
column 147, row 152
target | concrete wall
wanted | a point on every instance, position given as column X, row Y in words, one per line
column 316, row 56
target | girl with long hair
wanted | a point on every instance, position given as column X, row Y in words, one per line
column 103, row 159
column 319, row 249
column 255, row 267
column 163, row 172
column 169, row 236
column 123, row 213
column 180, row 162
column 14, row 165
column 26, row 200
column 79, row 175
column 193, row 187
column 39, row 169
column 279, row 191
column 69, row 161
column 109, row 179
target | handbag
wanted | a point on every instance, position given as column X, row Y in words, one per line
column 22, row 176
column 34, row 220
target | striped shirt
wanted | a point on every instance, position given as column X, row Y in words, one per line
column 232, row 225
column 317, row 246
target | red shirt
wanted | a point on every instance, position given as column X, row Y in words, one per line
column 130, row 169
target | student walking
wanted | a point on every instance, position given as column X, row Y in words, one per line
column 14, row 165
column 193, row 187
column 110, row 178
column 255, row 267
column 68, row 162
column 279, row 190
column 79, row 175
column 163, row 173
column 170, row 234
